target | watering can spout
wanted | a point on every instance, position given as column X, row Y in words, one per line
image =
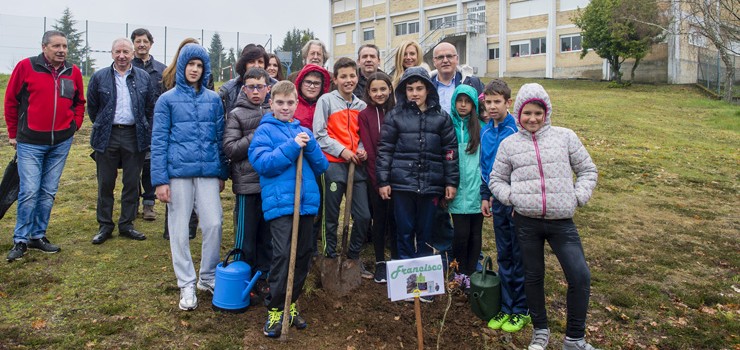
column 256, row 277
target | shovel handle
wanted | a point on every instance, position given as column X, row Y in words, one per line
column 347, row 206
column 293, row 247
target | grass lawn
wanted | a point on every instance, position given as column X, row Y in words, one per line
column 661, row 235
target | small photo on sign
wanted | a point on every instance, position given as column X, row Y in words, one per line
column 407, row 277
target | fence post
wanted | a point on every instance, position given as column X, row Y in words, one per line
column 44, row 24
column 165, row 44
column 87, row 50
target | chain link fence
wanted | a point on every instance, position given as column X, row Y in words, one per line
column 711, row 72
column 20, row 37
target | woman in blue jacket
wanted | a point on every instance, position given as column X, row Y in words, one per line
column 189, row 168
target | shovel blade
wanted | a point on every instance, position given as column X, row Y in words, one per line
column 340, row 278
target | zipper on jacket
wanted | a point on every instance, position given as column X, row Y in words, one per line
column 542, row 175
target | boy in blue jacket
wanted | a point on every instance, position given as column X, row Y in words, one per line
column 274, row 154
column 514, row 313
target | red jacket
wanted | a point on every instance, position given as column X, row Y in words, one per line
column 304, row 112
column 371, row 119
column 40, row 109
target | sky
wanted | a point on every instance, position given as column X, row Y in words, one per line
column 20, row 36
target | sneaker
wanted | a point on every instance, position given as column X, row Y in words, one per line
column 497, row 321
column 296, row 319
column 43, row 245
column 19, row 249
column 380, row 272
column 540, row 338
column 188, row 300
column 579, row 344
column 364, row 272
column 149, row 213
column 274, row 323
column 206, row 285
column 515, row 323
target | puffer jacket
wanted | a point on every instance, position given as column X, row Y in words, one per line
column 274, row 155
column 534, row 172
column 241, row 123
column 467, row 199
column 490, row 139
column 336, row 125
column 418, row 150
column 187, row 138
column 305, row 111
column 101, row 106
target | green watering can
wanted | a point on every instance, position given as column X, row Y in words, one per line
column 485, row 291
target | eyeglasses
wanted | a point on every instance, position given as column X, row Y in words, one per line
column 255, row 87
column 449, row 57
column 309, row 83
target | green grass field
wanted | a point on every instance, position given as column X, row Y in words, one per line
column 661, row 235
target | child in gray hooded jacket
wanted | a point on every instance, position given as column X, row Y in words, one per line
column 533, row 172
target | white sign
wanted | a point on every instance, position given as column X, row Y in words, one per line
column 405, row 277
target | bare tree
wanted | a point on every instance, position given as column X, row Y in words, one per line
column 719, row 22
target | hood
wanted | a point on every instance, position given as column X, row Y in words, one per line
column 420, row 72
column 528, row 93
column 463, row 89
column 308, row 69
column 269, row 118
column 187, row 53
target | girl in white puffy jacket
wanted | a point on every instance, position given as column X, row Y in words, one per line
column 533, row 172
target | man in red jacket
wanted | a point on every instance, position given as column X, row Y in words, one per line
column 44, row 107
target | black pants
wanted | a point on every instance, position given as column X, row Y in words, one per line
column 563, row 238
column 251, row 233
column 383, row 226
column 466, row 245
column 122, row 149
column 147, row 190
column 281, row 229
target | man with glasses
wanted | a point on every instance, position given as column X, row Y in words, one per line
column 120, row 103
column 446, row 78
column 448, row 74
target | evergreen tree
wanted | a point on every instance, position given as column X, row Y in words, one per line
column 217, row 56
column 77, row 50
column 230, row 61
column 293, row 42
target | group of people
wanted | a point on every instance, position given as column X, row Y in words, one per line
column 431, row 154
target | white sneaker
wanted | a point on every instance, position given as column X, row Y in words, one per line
column 206, row 285
column 188, row 300
column 579, row 344
column 540, row 338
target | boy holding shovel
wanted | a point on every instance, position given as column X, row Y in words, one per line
column 274, row 154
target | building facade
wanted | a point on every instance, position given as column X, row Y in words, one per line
column 515, row 38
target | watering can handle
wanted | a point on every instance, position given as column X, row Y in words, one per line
column 232, row 252
column 487, row 265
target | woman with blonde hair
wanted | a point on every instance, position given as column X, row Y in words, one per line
column 409, row 54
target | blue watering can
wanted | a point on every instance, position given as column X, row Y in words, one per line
column 233, row 284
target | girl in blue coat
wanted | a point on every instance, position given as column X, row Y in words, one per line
column 189, row 168
column 465, row 207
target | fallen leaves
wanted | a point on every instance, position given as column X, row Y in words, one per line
column 38, row 324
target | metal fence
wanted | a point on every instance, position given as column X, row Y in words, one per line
column 20, row 37
column 712, row 71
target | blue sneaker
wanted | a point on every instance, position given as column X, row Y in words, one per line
column 274, row 324
column 296, row 319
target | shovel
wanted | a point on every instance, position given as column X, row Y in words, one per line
column 340, row 276
column 293, row 247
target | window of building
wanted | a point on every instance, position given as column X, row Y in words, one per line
column 570, row 43
column 493, row 52
column 354, row 36
column 340, row 39
column 439, row 22
column 567, row 5
column 520, row 48
column 368, row 34
column 538, row 46
column 527, row 8
column 407, row 28
column 368, row 3
column 343, row 5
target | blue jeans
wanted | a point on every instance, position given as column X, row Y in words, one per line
column 39, row 168
column 414, row 214
column 563, row 238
